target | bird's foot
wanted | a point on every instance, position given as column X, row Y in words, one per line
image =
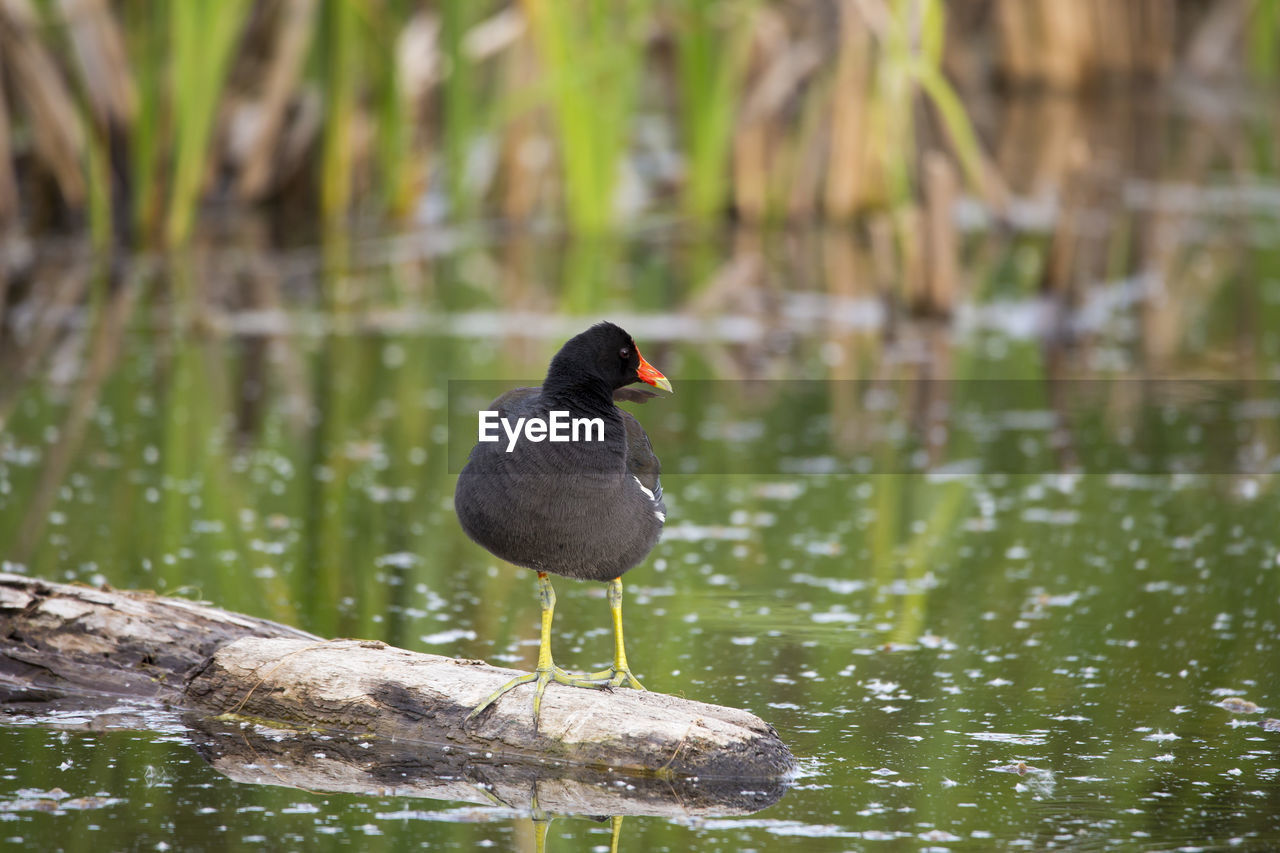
column 500, row 692
column 596, row 679
column 614, row 677
column 541, row 677
column 624, row 678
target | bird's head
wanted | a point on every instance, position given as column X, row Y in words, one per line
column 606, row 354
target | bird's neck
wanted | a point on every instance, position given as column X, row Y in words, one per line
column 583, row 391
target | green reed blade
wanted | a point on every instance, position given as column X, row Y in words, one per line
column 711, row 67
column 592, row 53
column 203, row 37
column 339, row 51
column 1264, row 39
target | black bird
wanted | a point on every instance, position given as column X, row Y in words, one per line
column 585, row 509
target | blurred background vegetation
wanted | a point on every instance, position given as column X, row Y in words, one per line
column 131, row 117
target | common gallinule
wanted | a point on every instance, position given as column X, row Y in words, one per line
column 586, row 505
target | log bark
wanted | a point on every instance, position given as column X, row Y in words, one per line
column 386, row 718
column 370, row 688
column 81, row 640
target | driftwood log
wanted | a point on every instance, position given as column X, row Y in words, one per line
column 268, row 703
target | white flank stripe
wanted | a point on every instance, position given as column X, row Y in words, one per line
column 642, row 488
column 660, row 516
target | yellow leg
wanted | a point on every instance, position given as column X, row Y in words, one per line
column 541, row 823
column 540, row 828
column 619, row 674
column 546, row 671
column 615, row 833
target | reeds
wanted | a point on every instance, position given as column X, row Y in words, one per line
column 1101, row 43
column 710, row 64
column 8, row 186
column 592, row 54
column 1264, row 39
column 47, row 106
column 136, row 113
column 279, row 83
column 203, row 37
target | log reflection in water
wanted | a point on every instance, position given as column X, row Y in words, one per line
column 379, row 767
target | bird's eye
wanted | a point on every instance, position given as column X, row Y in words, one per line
column 624, row 353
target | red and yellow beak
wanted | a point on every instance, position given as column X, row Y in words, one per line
column 649, row 374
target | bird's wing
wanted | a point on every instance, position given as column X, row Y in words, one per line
column 641, row 461
column 507, row 404
column 514, row 397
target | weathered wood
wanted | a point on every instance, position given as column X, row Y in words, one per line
column 80, row 639
column 371, row 688
column 73, row 639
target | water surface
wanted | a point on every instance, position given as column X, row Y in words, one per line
column 984, row 612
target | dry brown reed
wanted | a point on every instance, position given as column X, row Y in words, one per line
column 942, row 248
column 98, row 50
column 265, row 115
column 36, row 81
column 1067, row 46
column 8, row 186
column 847, row 160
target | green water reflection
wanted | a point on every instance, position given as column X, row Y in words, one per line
column 1033, row 654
